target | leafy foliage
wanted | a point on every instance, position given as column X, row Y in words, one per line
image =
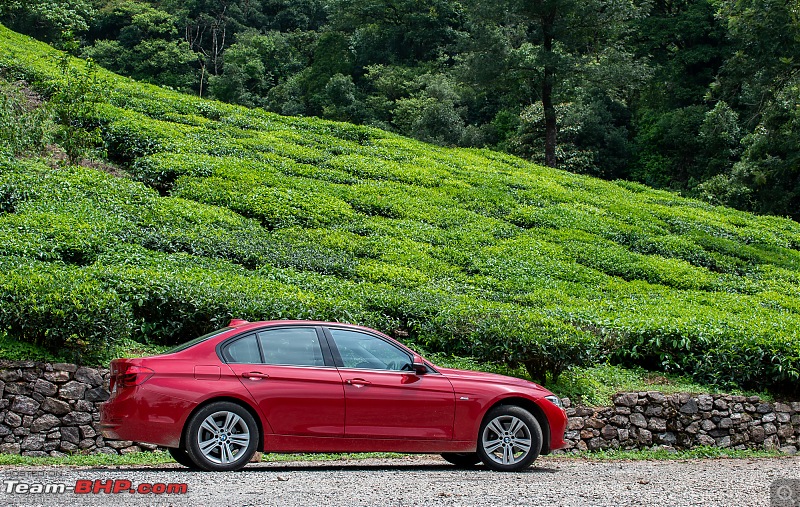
column 696, row 96
column 235, row 212
column 25, row 128
column 73, row 104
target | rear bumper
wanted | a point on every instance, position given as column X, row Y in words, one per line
column 143, row 415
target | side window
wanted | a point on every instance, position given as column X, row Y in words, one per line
column 243, row 350
column 361, row 350
column 297, row 346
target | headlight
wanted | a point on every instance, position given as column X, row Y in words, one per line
column 555, row 400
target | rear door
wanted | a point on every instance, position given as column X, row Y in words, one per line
column 383, row 398
column 289, row 372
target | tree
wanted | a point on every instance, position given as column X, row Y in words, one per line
column 761, row 82
column 554, row 46
column 254, row 65
column 288, row 16
column 344, row 102
column 431, row 112
column 53, row 21
column 674, row 136
column 74, row 105
column 404, row 32
column 143, row 42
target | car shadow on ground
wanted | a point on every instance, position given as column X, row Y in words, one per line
column 280, row 467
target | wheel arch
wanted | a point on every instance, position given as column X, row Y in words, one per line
column 230, row 399
column 535, row 411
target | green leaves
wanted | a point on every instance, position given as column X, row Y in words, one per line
column 237, row 212
column 74, row 105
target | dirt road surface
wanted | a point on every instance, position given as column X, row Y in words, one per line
column 418, row 481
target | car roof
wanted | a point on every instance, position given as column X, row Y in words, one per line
column 243, row 325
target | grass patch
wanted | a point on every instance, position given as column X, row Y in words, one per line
column 595, row 385
column 132, row 348
column 156, row 458
column 16, row 350
column 12, row 349
column 668, row 455
column 84, row 460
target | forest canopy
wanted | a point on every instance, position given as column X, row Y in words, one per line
column 696, row 96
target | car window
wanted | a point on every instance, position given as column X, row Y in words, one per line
column 243, row 350
column 297, row 346
column 362, row 350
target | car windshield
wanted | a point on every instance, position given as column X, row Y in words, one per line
column 191, row 343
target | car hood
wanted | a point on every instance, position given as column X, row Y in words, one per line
column 490, row 377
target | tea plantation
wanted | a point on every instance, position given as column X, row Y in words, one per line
column 231, row 212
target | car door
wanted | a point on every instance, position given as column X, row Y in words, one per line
column 290, row 374
column 383, row 398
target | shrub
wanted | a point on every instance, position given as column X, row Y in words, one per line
column 237, row 212
column 61, row 309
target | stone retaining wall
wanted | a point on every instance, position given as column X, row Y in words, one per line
column 682, row 421
column 52, row 409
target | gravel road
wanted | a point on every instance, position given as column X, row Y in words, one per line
column 429, row 481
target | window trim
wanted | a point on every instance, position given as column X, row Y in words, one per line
column 324, row 344
column 222, row 348
column 338, row 357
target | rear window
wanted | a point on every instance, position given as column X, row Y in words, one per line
column 242, row 350
column 199, row 339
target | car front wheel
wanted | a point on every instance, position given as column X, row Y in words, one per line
column 510, row 439
column 221, row 436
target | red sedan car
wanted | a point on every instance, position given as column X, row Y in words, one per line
column 300, row 386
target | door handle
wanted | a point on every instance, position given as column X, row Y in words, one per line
column 358, row 382
column 254, row 375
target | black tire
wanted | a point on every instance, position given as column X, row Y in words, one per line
column 229, row 435
column 182, row 457
column 510, row 439
column 462, row 459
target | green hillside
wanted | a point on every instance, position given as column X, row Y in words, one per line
column 238, row 212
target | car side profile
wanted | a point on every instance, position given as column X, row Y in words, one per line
column 304, row 386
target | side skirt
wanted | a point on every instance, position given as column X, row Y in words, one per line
column 293, row 443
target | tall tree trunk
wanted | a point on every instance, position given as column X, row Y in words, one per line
column 550, row 125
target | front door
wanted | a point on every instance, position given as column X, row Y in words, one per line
column 383, row 398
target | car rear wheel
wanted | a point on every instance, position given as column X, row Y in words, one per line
column 221, row 436
column 462, row 459
column 510, row 439
column 182, row 457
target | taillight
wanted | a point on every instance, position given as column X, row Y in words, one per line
column 129, row 375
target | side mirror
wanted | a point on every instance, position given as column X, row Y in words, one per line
column 418, row 365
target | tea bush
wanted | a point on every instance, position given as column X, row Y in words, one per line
column 234, row 212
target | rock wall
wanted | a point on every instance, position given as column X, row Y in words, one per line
column 682, row 421
column 52, row 409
